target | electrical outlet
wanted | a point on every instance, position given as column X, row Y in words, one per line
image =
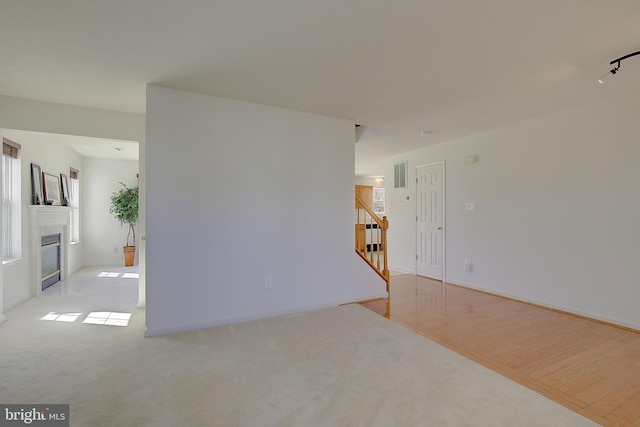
column 468, row 267
column 115, row 250
column 268, row 282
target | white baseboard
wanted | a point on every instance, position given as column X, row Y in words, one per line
column 402, row 270
column 232, row 320
column 16, row 303
column 545, row 304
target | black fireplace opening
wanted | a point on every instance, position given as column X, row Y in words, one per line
column 50, row 250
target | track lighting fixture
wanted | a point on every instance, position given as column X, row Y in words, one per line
column 616, row 69
column 608, row 74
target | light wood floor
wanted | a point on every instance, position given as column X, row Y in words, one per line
column 587, row 366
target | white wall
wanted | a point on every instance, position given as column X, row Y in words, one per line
column 557, row 210
column 239, row 191
column 54, row 159
column 102, row 236
column 365, row 180
column 29, row 115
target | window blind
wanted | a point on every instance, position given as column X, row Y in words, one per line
column 10, row 148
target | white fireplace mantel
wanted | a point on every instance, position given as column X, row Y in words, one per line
column 45, row 220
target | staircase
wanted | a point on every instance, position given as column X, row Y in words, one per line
column 371, row 238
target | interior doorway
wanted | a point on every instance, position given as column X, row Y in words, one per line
column 100, row 165
column 430, row 210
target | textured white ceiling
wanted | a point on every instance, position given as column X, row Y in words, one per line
column 451, row 67
column 85, row 146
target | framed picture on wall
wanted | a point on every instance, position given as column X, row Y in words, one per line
column 65, row 189
column 51, row 189
column 378, row 200
column 37, row 198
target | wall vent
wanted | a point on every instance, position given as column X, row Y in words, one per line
column 400, row 175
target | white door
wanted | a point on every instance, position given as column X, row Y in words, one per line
column 430, row 220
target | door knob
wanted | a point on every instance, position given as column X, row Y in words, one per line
column 438, row 228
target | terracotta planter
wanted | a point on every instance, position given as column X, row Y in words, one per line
column 129, row 255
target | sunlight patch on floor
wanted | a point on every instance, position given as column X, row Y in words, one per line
column 108, row 318
column 115, row 274
column 61, row 317
column 108, row 274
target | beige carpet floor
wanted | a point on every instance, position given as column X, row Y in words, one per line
column 343, row 366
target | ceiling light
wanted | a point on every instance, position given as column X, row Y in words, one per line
column 616, row 69
column 425, row 132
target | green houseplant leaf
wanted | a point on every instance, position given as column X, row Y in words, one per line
column 124, row 206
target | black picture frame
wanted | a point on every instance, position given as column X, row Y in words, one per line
column 64, row 182
column 51, row 189
column 37, row 195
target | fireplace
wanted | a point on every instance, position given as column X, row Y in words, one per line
column 50, row 254
column 49, row 246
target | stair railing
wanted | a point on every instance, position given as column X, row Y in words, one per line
column 371, row 238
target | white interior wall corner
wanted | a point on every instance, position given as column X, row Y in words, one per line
column 251, row 191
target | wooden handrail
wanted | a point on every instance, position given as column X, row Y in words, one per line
column 367, row 252
column 376, row 218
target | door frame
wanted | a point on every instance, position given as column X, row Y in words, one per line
column 444, row 216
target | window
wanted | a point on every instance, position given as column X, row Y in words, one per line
column 10, row 199
column 6, row 206
column 74, row 192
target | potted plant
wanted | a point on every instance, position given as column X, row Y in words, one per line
column 124, row 206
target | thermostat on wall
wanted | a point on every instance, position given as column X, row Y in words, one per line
column 470, row 160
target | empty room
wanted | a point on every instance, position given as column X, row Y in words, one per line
column 486, row 276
